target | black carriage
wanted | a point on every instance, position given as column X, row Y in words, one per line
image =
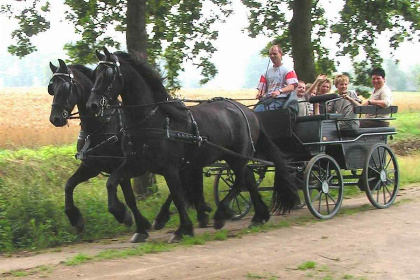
column 326, row 159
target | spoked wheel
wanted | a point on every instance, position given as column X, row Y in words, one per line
column 323, row 186
column 223, row 183
column 380, row 176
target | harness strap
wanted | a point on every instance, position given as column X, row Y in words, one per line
column 247, row 122
column 158, row 133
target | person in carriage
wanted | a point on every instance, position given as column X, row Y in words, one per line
column 277, row 86
column 346, row 104
column 381, row 96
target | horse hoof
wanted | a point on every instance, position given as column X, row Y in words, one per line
column 218, row 224
column 80, row 225
column 255, row 224
column 203, row 222
column 175, row 238
column 139, row 237
column 128, row 219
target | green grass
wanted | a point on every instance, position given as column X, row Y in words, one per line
column 409, row 167
column 407, row 124
column 307, row 265
column 32, row 199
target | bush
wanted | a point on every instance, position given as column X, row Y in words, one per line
column 32, row 200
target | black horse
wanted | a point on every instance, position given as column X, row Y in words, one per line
column 71, row 85
column 167, row 138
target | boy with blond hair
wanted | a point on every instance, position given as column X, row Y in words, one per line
column 346, row 104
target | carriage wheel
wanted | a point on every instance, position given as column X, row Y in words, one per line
column 380, row 176
column 323, row 186
column 223, row 183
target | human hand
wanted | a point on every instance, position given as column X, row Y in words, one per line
column 275, row 93
column 321, row 77
column 345, row 96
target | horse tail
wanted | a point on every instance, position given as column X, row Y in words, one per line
column 285, row 194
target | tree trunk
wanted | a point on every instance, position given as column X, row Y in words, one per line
column 136, row 36
column 136, row 39
column 302, row 50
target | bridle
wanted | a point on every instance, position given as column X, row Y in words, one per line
column 113, row 71
column 67, row 86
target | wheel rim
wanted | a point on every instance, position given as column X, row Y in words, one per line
column 380, row 176
column 223, row 183
column 323, row 186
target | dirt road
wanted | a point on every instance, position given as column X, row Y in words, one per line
column 373, row 244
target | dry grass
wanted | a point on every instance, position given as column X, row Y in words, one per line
column 24, row 120
column 24, row 114
column 407, row 101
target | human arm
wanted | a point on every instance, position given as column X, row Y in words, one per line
column 287, row 89
column 315, row 83
column 261, row 87
column 380, row 103
column 382, row 98
column 353, row 98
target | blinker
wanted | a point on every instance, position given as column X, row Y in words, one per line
column 109, row 74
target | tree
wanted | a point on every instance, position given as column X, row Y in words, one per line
column 361, row 22
column 184, row 26
column 169, row 32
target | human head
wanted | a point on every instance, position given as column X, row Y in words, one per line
column 276, row 55
column 308, row 85
column 378, row 77
column 301, row 89
column 324, row 87
column 341, row 82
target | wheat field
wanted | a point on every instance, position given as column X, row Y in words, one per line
column 24, row 114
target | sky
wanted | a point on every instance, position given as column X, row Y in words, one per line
column 234, row 46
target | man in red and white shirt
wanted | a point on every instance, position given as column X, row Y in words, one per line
column 277, row 83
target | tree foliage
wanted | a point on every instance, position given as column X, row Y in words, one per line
column 177, row 30
column 360, row 24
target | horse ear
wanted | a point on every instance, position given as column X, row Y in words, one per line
column 100, row 56
column 53, row 67
column 107, row 53
column 62, row 64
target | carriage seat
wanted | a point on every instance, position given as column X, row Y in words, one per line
column 327, row 116
column 375, row 110
column 360, row 131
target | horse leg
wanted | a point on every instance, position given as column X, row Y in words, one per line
column 141, row 222
column 116, row 207
column 192, row 181
column 261, row 211
column 82, row 174
column 174, row 184
column 195, row 195
column 224, row 212
column 164, row 214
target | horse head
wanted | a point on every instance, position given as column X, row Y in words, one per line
column 61, row 86
column 108, row 82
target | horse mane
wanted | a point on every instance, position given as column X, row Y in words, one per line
column 83, row 69
column 155, row 81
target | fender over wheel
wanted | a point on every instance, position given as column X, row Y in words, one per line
column 323, row 186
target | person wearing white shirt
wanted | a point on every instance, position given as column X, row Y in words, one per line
column 381, row 96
